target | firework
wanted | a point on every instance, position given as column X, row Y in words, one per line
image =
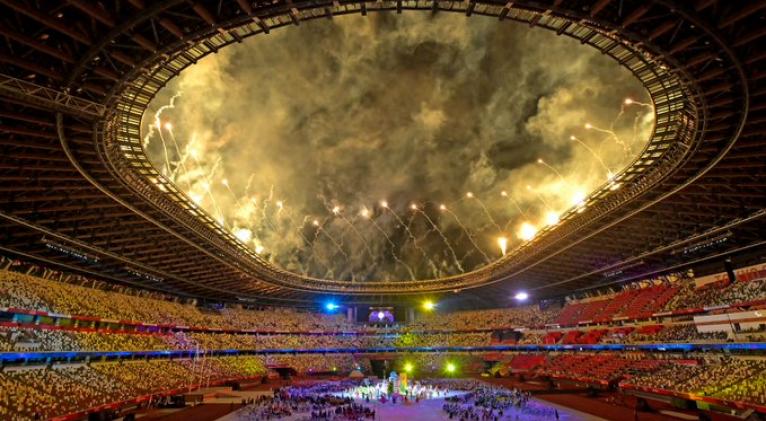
column 512, row 200
column 550, row 167
column 393, row 248
column 465, row 230
column 539, row 197
column 187, row 162
column 320, row 229
column 551, row 218
column 484, row 208
column 502, row 242
column 527, row 231
column 594, row 154
column 225, row 183
column 625, row 147
column 415, row 208
column 336, row 211
column 411, row 236
column 631, row 101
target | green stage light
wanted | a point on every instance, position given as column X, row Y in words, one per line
column 450, row 368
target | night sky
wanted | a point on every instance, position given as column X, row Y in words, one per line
column 293, row 139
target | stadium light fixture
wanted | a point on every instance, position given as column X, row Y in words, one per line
column 521, row 296
column 331, row 306
column 408, row 367
column 428, row 305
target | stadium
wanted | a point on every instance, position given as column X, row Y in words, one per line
column 346, row 210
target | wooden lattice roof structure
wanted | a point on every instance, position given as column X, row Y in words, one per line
column 77, row 192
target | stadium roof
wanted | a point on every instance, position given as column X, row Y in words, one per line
column 78, row 193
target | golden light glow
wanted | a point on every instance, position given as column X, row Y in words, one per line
column 194, row 152
column 442, row 207
column 414, row 206
column 383, row 203
column 551, row 218
column 408, row 367
column 280, row 204
column 365, row 213
column 336, row 209
column 196, row 198
column 527, row 231
column 504, row 193
column 428, row 305
column 469, row 195
column 588, row 126
column 315, row 223
column 243, row 234
column 628, row 101
column 578, row 197
column 168, row 125
column 258, row 249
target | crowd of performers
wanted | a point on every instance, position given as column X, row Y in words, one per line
column 397, row 390
column 315, row 402
column 488, row 403
column 464, row 400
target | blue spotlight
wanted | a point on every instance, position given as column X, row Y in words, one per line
column 331, row 306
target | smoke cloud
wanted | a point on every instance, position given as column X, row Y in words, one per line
column 292, row 140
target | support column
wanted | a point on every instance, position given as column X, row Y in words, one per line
column 410, row 318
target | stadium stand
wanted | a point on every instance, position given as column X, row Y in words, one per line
column 40, row 315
